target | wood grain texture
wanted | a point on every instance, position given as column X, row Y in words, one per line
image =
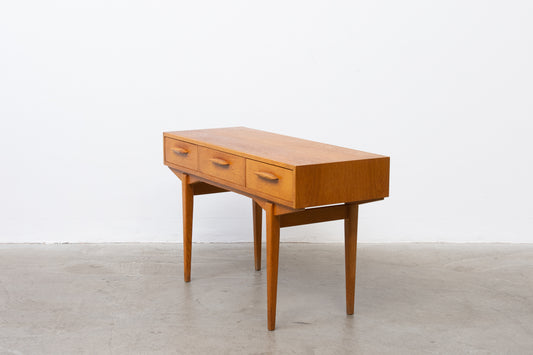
column 331, row 183
column 313, row 215
column 282, row 187
column 228, row 185
column 257, row 212
column 223, row 165
column 286, row 177
column 189, row 159
column 187, row 206
column 272, row 244
column 350, row 251
column 269, row 147
column 278, row 209
column 306, row 173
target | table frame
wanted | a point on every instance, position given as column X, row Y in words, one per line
column 277, row 217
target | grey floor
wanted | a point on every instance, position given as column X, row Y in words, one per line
column 131, row 298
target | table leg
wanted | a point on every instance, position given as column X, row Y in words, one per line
column 187, row 206
column 258, row 217
column 273, row 227
column 350, row 251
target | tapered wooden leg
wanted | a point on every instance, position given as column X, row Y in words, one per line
column 258, row 217
column 350, row 251
column 187, row 203
column 272, row 239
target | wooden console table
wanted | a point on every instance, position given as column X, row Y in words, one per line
column 283, row 175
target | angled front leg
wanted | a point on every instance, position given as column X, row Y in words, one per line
column 187, row 206
column 257, row 217
column 273, row 226
column 350, row 251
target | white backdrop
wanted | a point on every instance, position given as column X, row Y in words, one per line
column 87, row 88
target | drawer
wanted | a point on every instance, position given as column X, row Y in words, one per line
column 221, row 165
column 181, row 153
column 270, row 179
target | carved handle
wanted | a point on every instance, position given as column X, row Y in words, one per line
column 180, row 151
column 267, row 176
column 219, row 162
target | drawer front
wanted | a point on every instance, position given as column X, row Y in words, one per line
column 181, row 153
column 270, row 179
column 221, row 165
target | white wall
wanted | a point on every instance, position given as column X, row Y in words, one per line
column 86, row 88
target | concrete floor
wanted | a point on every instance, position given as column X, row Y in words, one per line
column 131, row 298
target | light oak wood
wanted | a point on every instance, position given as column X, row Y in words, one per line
column 272, row 245
column 225, row 166
column 313, row 215
column 198, row 187
column 220, row 162
column 270, row 148
column 320, row 174
column 270, row 179
column 287, row 177
column 178, row 173
column 225, row 184
column 278, row 209
column 257, row 218
column 343, row 181
column 181, row 153
column 187, row 206
column 350, row 251
column 267, row 176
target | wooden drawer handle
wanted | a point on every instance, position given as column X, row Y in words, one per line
column 219, row 162
column 180, row 151
column 266, row 176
